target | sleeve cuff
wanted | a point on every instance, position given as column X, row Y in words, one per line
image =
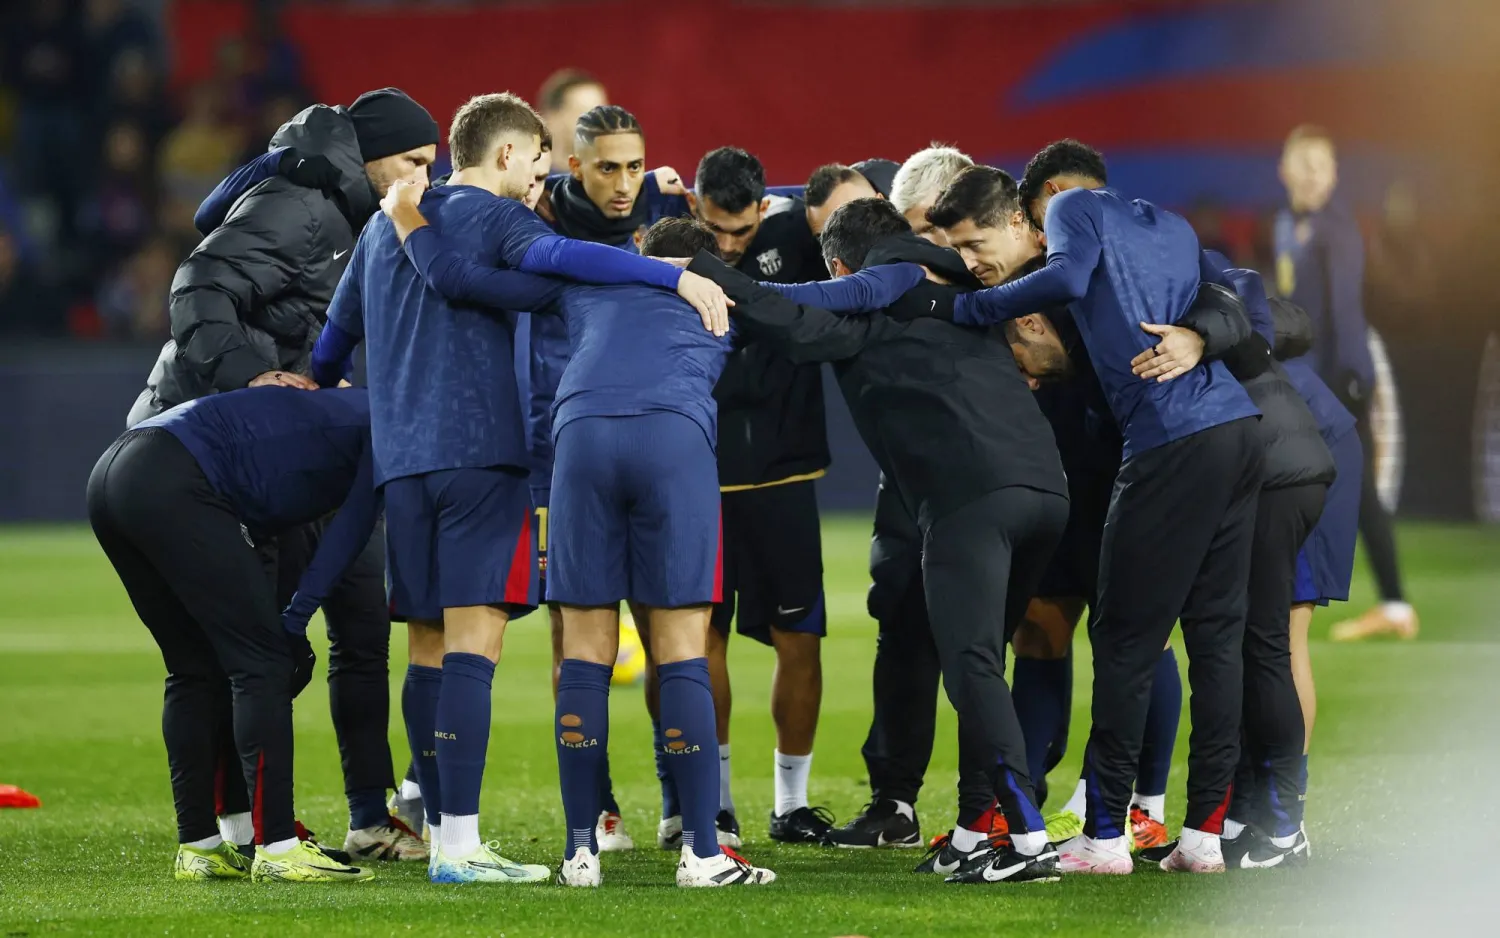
column 237, row 369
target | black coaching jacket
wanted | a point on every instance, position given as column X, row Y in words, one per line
column 942, row 407
column 253, row 296
column 1295, row 451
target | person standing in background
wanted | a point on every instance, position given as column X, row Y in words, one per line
column 1320, row 259
column 566, row 95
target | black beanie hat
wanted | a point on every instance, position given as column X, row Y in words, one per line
column 388, row 122
column 880, row 173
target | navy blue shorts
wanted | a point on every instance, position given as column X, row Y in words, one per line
column 541, row 505
column 459, row 537
column 634, row 514
column 1326, row 562
column 773, row 562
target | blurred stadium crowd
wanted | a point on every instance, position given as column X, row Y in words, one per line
column 103, row 159
column 102, row 162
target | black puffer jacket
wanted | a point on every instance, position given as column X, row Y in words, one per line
column 1295, row 451
column 253, row 296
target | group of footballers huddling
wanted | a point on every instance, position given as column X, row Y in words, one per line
column 601, row 386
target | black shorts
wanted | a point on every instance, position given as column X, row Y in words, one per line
column 773, row 562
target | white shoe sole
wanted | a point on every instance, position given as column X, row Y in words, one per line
column 761, row 877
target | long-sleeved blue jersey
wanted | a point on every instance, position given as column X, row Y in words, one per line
column 542, row 340
column 284, row 457
column 634, row 349
column 1320, row 266
column 1334, row 420
column 1119, row 263
column 216, row 205
column 442, row 374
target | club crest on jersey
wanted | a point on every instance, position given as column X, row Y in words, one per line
column 769, row 261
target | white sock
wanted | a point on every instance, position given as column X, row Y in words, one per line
column 207, row 843
column 434, row 835
column 410, row 790
column 1232, row 829
column 726, row 800
column 1153, row 805
column 1029, row 845
column 1110, row 844
column 1397, row 611
column 1278, row 842
column 907, row 810
column 967, row 841
column 238, row 828
column 280, row 846
column 460, row 834
column 1078, row 804
column 1196, row 841
column 791, row 781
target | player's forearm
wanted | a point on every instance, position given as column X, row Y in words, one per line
column 864, row 292
column 405, row 219
column 806, row 333
column 1054, row 285
column 215, row 208
column 586, row 262
column 332, row 355
column 1218, row 316
column 343, row 539
column 463, row 281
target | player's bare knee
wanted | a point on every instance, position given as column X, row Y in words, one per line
column 591, row 633
column 1046, row 630
column 424, row 643
column 679, row 634
column 801, row 651
column 475, row 630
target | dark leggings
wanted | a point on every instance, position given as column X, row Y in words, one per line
column 980, row 566
column 210, row 604
column 1375, row 522
column 1271, row 758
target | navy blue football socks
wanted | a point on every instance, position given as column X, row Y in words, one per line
column 419, row 704
column 463, row 730
column 367, row 808
column 581, row 731
column 671, row 805
column 691, row 750
column 607, row 800
column 1042, row 693
column 1161, row 727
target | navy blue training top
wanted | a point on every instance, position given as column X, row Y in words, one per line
column 284, row 457
column 634, row 349
column 1320, row 266
column 1334, row 420
column 1117, row 264
column 442, row 373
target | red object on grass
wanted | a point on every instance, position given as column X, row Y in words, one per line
column 13, row 797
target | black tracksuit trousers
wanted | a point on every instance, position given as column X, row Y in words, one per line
column 359, row 646
column 981, row 566
column 1273, row 730
column 1374, row 521
column 907, row 674
column 1177, row 544
column 210, row 604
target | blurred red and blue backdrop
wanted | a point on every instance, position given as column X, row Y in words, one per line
column 1189, row 100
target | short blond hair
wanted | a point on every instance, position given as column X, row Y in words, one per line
column 1309, row 133
column 484, row 117
column 925, row 174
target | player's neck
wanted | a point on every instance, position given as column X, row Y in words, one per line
column 478, row 177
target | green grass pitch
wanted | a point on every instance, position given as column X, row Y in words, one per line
column 1404, row 743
